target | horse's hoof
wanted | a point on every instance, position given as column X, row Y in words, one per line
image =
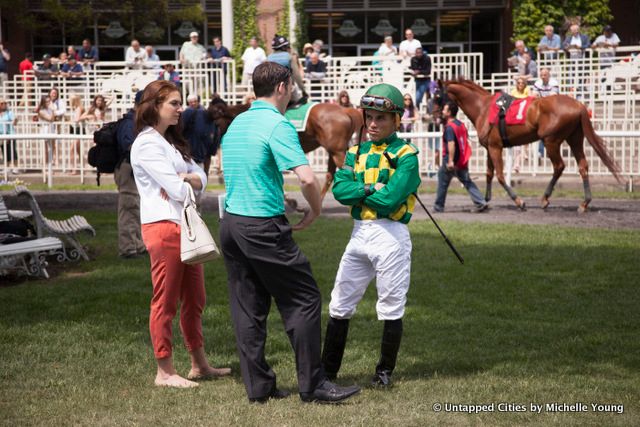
column 545, row 203
column 582, row 208
column 521, row 204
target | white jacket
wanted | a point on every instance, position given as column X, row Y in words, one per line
column 156, row 165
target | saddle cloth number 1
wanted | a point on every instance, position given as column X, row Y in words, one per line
column 521, row 108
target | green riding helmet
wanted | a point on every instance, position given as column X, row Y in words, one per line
column 383, row 97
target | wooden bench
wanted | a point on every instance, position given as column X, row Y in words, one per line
column 67, row 229
column 9, row 214
column 29, row 257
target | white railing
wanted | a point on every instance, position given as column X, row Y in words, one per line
column 624, row 146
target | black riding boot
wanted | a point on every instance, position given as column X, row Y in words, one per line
column 334, row 342
column 391, row 337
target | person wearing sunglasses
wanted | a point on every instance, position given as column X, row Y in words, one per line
column 378, row 182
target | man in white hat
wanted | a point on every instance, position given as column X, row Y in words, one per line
column 192, row 51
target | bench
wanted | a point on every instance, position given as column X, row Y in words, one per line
column 29, row 257
column 9, row 214
column 67, row 229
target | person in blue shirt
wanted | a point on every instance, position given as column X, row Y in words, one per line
column 200, row 131
column 72, row 70
column 549, row 44
column 219, row 54
column 262, row 259
column 88, row 54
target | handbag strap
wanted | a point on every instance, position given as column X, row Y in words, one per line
column 191, row 197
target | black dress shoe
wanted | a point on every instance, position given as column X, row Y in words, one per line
column 381, row 379
column 328, row 392
column 275, row 394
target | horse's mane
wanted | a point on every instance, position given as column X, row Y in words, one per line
column 469, row 84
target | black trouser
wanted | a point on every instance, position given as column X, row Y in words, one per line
column 262, row 262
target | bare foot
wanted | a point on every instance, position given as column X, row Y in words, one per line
column 174, row 381
column 208, row 373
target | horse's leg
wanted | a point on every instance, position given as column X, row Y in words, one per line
column 553, row 152
column 490, row 169
column 496, row 156
column 576, row 142
column 331, row 170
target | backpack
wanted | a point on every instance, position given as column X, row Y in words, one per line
column 104, row 156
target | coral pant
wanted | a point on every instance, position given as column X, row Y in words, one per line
column 173, row 281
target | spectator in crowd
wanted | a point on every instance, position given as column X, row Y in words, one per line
column 549, row 44
column 253, row 56
column 5, row 57
column 46, row 119
column 8, row 121
column 307, row 50
column 543, row 87
column 606, row 45
column 317, row 47
column 421, row 70
column 76, row 127
column 47, row 70
column 97, row 111
column 409, row 45
column 218, row 55
column 72, row 70
column 521, row 90
column 528, row 68
column 26, row 67
column 61, row 59
column 136, row 57
column 200, row 131
column 88, row 54
column 192, row 52
column 344, row 100
column 130, row 244
column 163, row 170
column 170, row 74
column 72, row 53
column 153, row 60
column 263, row 261
column 575, row 43
column 455, row 160
column 409, row 115
column 517, row 55
column 58, row 105
column 387, row 48
column 283, row 55
column 317, row 69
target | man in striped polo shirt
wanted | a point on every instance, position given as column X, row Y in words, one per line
column 262, row 259
column 377, row 181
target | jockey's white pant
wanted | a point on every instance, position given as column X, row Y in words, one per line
column 379, row 249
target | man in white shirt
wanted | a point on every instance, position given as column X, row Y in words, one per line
column 253, row 56
column 192, row 51
column 543, row 87
column 408, row 47
column 136, row 56
column 606, row 45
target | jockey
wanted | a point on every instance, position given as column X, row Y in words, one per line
column 283, row 55
column 377, row 181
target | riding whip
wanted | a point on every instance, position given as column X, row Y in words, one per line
column 446, row 239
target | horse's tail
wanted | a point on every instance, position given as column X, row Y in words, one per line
column 598, row 145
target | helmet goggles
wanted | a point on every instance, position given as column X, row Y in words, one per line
column 379, row 103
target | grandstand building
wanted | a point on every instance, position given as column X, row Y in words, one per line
column 348, row 27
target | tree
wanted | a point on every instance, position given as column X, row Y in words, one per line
column 530, row 17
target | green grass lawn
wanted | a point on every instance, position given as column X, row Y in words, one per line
column 538, row 314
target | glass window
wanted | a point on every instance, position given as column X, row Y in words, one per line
column 485, row 26
column 491, row 56
column 319, row 27
column 381, row 24
column 423, row 25
column 348, row 28
column 454, row 26
column 112, row 30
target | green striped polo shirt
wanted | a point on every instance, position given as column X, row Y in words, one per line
column 259, row 145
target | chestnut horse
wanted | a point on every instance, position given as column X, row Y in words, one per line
column 553, row 119
column 329, row 125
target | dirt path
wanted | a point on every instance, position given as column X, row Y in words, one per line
column 604, row 213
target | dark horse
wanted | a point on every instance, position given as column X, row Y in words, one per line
column 329, row 125
column 553, row 119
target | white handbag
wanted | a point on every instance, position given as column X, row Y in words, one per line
column 196, row 243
